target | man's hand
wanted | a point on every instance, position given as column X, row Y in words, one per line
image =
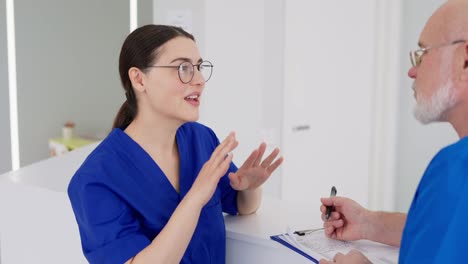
column 353, row 257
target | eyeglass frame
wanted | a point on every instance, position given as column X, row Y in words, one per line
column 416, row 55
column 193, row 69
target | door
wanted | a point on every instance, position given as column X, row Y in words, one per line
column 329, row 71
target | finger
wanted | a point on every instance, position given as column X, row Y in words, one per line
column 335, row 216
column 249, row 162
column 324, row 219
column 231, row 137
column 275, row 165
column 215, row 172
column 328, row 224
column 324, row 261
column 337, row 223
column 326, row 201
column 261, row 151
column 270, row 158
column 234, row 179
column 335, row 201
column 237, row 183
column 329, row 230
column 221, row 155
column 228, row 147
column 226, row 162
column 222, row 168
column 338, row 257
column 323, row 208
column 222, row 144
column 234, row 145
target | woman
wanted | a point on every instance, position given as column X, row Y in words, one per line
column 154, row 190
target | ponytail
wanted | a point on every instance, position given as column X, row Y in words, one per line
column 124, row 117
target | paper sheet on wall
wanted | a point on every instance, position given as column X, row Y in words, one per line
column 180, row 18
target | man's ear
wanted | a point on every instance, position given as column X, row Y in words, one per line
column 137, row 78
column 466, row 57
column 464, row 72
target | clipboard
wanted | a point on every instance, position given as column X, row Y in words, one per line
column 280, row 239
column 314, row 245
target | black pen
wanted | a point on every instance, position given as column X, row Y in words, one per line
column 307, row 231
column 330, row 208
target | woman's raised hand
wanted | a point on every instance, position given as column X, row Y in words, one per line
column 254, row 172
column 215, row 168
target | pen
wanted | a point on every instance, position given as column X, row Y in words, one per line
column 307, row 231
column 330, row 208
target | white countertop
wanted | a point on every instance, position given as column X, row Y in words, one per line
column 37, row 224
column 53, row 173
column 273, row 218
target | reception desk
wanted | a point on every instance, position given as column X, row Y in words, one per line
column 37, row 224
column 248, row 237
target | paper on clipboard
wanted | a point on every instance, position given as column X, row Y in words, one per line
column 316, row 246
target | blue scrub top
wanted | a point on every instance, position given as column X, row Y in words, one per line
column 122, row 199
column 436, row 229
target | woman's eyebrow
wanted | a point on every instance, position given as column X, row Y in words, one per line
column 185, row 59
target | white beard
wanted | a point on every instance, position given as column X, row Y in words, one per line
column 435, row 109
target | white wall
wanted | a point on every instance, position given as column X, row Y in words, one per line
column 5, row 145
column 416, row 144
column 164, row 11
column 244, row 40
column 67, row 69
column 145, row 12
column 385, row 105
column 272, row 108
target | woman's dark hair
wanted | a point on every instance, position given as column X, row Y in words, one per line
column 140, row 49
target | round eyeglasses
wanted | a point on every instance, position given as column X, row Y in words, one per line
column 186, row 70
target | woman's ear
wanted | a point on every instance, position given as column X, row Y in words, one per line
column 136, row 76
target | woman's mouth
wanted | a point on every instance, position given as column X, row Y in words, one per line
column 193, row 99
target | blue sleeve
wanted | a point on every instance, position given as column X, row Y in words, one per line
column 109, row 231
column 228, row 194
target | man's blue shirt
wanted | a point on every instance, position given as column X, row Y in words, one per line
column 435, row 229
